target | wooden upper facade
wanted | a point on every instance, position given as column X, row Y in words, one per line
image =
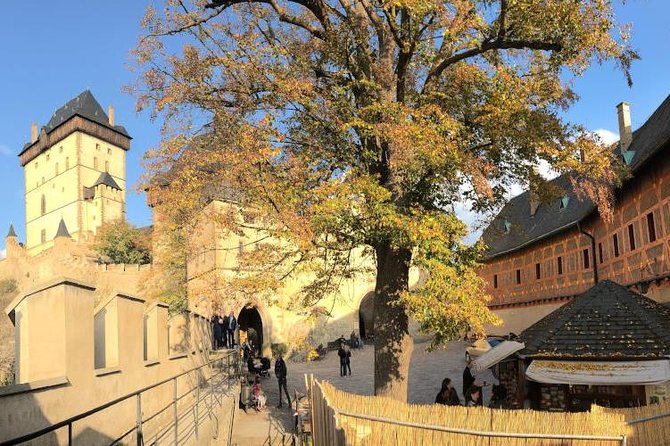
column 565, row 258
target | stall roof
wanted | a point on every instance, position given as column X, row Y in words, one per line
column 607, row 322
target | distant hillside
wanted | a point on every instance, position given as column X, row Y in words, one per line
column 8, row 291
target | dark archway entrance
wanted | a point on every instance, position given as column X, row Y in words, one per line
column 366, row 316
column 251, row 327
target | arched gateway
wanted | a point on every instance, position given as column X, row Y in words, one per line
column 366, row 316
column 251, row 327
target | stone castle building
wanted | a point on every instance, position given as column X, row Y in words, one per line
column 540, row 255
column 75, row 171
column 75, row 181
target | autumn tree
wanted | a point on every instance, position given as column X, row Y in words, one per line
column 357, row 124
column 120, row 242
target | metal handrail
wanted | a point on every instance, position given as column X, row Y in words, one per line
column 649, row 418
column 621, row 439
column 69, row 421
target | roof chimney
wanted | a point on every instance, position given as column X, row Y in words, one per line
column 625, row 133
column 33, row 133
column 110, row 113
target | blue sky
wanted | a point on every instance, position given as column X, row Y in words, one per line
column 52, row 51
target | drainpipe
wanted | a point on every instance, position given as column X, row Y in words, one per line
column 593, row 252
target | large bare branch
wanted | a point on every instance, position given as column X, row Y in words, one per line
column 315, row 7
column 487, row 45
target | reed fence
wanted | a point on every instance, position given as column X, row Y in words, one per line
column 341, row 418
column 649, row 425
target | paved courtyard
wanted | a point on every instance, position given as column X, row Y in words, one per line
column 427, row 370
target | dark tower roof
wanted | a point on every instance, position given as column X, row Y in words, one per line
column 607, row 322
column 106, row 179
column 84, row 105
column 11, row 232
column 62, row 230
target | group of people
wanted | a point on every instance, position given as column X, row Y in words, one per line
column 259, row 398
column 472, row 392
column 223, row 331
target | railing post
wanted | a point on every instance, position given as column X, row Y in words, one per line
column 623, row 440
column 197, row 402
column 69, row 434
column 176, row 418
column 138, row 421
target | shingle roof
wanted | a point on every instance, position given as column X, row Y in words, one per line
column 84, row 105
column 606, row 322
column 549, row 219
column 106, row 179
column 62, row 230
column 11, row 232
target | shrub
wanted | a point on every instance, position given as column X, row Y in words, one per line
column 121, row 242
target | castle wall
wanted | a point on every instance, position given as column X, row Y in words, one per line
column 59, row 338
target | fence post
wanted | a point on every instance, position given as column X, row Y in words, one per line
column 138, row 434
column 623, row 440
column 176, row 418
column 69, row 434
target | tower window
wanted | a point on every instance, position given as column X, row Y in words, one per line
column 43, row 235
column 95, row 162
column 537, row 271
column 615, row 244
column 109, row 151
column 106, row 166
column 42, row 180
column 67, row 162
column 36, row 164
column 587, row 260
column 495, row 281
column 60, row 149
column 43, row 205
column 57, row 172
column 518, row 277
column 651, row 227
column 600, row 252
column 97, row 147
column 559, row 265
column 631, row 237
column 47, row 157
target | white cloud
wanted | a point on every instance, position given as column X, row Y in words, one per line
column 3, row 253
column 607, row 136
column 5, row 150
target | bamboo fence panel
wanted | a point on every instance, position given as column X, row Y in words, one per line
column 331, row 403
column 646, row 433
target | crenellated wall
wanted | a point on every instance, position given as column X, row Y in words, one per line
column 73, row 356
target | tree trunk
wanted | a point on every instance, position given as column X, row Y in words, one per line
column 393, row 345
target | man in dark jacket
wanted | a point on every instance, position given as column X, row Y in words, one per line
column 468, row 378
column 280, row 373
column 231, row 326
column 216, row 332
column 223, row 327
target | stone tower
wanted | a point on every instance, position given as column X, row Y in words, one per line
column 75, row 171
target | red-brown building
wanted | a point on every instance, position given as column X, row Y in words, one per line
column 542, row 254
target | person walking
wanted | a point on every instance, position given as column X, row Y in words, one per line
column 223, row 326
column 468, row 378
column 281, row 372
column 231, row 326
column 347, row 357
column 343, row 359
column 216, row 332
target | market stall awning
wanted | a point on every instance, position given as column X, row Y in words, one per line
column 496, row 354
column 599, row 372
